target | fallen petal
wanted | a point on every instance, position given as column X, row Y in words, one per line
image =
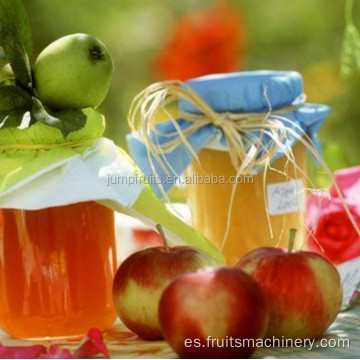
column 22, row 352
column 92, row 344
column 56, row 353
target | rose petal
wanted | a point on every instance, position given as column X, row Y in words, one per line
column 348, row 181
column 56, row 353
column 22, row 352
column 321, row 203
column 333, row 235
column 316, row 203
column 92, row 344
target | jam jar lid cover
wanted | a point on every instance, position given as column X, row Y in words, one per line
column 245, row 92
column 249, row 91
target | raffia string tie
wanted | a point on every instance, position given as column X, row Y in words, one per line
column 221, row 121
column 244, row 132
column 243, row 153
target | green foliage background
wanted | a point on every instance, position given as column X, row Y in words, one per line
column 304, row 35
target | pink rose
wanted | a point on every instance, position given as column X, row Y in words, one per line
column 333, row 235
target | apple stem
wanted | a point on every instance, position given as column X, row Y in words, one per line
column 291, row 240
column 163, row 236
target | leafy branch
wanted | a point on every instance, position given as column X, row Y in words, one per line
column 18, row 101
column 16, row 39
column 350, row 55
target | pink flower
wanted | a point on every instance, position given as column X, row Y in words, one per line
column 334, row 236
column 21, row 352
column 92, row 344
column 56, row 353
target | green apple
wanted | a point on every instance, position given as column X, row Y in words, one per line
column 73, row 72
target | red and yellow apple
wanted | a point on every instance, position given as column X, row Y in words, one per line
column 207, row 314
column 142, row 278
column 303, row 290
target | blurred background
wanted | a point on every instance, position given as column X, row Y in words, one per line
column 168, row 39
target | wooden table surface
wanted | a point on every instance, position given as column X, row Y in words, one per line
column 124, row 344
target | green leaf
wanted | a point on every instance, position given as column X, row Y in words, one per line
column 3, row 60
column 15, row 102
column 66, row 121
column 40, row 114
column 15, row 38
column 19, row 118
column 72, row 120
column 151, row 210
column 350, row 56
column 13, row 96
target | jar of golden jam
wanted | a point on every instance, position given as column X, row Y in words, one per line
column 249, row 225
column 240, row 140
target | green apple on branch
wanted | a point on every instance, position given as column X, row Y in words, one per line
column 18, row 95
column 73, row 72
column 56, row 102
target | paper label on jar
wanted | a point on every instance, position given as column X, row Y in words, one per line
column 285, row 197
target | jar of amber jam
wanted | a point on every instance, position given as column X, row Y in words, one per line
column 56, row 270
column 263, row 207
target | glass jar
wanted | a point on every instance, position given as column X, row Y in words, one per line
column 252, row 122
column 249, row 224
column 56, row 270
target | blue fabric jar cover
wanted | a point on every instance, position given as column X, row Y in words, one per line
column 237, row 93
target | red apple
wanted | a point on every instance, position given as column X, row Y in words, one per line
column 141, row 279
column 203, row 313
column 303, row 290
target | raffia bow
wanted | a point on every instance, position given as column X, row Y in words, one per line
column 245, row 154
